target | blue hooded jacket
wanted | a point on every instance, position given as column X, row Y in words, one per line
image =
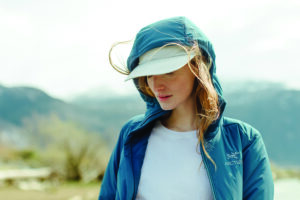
column 243, row 169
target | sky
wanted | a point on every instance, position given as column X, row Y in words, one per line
column 61, row 46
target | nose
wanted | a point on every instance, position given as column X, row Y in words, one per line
column 157, row 83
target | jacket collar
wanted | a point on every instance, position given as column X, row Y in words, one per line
column 154, row 112
column 151, row 115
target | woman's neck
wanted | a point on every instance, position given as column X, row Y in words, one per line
column 181, row 119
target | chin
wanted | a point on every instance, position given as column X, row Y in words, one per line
column 166, row 107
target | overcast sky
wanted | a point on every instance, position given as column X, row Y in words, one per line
column 61, row 46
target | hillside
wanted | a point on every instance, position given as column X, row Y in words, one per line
column 275, row 112
column 101, row 115
column 271, row 108
column 19, row 102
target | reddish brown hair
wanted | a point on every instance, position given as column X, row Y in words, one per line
column 206, row 97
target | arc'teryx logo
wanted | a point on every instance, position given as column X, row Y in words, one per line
column 233, row 158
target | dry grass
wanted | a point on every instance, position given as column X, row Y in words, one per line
column 70, row 191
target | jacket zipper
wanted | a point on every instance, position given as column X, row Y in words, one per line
column 208, row 173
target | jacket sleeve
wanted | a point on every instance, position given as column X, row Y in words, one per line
column 257, row 175
column 109, row 182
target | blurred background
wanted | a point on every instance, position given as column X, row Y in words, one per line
column 62, row 105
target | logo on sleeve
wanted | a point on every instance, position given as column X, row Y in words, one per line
column 233, row 158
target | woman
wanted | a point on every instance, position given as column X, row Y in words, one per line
column 183, row 147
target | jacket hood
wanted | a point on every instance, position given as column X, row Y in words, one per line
column 177, row 30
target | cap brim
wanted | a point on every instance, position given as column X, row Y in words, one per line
column 161, row 66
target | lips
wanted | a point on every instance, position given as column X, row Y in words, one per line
column 164, row 97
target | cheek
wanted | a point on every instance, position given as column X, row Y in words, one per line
column 191, row 83
column 185, row 86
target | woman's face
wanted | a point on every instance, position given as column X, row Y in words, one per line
column 173, row 90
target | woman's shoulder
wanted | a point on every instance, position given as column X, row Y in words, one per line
column 127, row 128
column 238, row 128
column 132, row 123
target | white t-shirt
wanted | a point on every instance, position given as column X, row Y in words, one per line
column 172, row 168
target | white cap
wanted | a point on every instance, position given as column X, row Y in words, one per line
column 161, row 60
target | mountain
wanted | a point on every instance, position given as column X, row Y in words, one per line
column 19, row 102
column 275, row 112
column 102, row 115
column 270, row 108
